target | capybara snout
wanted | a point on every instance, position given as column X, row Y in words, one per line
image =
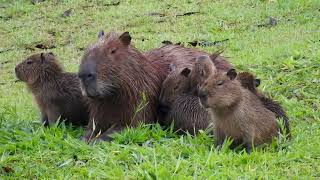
column 88, row 78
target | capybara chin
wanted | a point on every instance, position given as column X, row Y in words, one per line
column 237, row 113
column 248, row 81
column 56, row 92
column 115, row 77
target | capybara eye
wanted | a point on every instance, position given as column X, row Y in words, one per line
column 220, row 83
column 113, row 51
column 29, row 62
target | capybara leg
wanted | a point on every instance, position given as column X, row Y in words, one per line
column 248, row 147
column 90, row 133
column 87, row 136
column 44, row 119
column 106, row 135
column 53, row 116
column 219, row 138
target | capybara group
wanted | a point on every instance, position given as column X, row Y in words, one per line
column 56, row 92
column 117, row 86
column 237, row 112
column 121, row 84
column 178, row 103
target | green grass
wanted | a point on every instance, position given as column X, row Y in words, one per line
column 286, row 57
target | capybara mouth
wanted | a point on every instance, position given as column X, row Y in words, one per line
column 203, row 103
column 96, row 95
column 91, row 93
column 17, row 73
column 19, row 79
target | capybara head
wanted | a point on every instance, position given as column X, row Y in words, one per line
column 102, row 64
column 248, row 81
column 218, row 89
column 176, row 83
column 202, row 67
column 36, row 67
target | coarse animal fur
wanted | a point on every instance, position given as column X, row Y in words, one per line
column 237, row 113
column 121, row 83
column 56, row 92
column 249, row 81
column 178, row 84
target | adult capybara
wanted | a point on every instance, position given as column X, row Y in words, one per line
column 56, row 92
column 180, row 56
column 237, row 113
column 121, row 84
column 249, row 81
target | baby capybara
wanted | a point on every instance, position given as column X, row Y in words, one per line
column 56, row 92
column 178, row 85
column 248, row 81
column 237, row 113
column 180, row 107
column 121, row 84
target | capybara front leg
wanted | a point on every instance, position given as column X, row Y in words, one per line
column 106, row 135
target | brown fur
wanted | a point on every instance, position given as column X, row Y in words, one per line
column 187, row 115
column 56, row 92
column 236, row 112
column 179, row 106
column 177, row 86
column 181, row 57
column 248, row 81
column 114, row 75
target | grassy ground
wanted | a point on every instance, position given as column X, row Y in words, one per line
column 285, row 56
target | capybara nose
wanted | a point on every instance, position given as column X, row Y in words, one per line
column 87, row 77
column 202, row 95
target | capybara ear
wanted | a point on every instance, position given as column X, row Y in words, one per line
column 125, row 38
column 185, row 72
column 50, row 54
column 43, row 58
column 101, row 34
column 232, row 74
column 166, row 42
column 205, row 66
column 257, row 82
column 216, row 54
column 172, row 67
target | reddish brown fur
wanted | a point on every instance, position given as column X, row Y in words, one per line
column 236, row 112
column 176, row 86
column 121, row 74
column 248, row 81
column 56, row 92
column 181, row 57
